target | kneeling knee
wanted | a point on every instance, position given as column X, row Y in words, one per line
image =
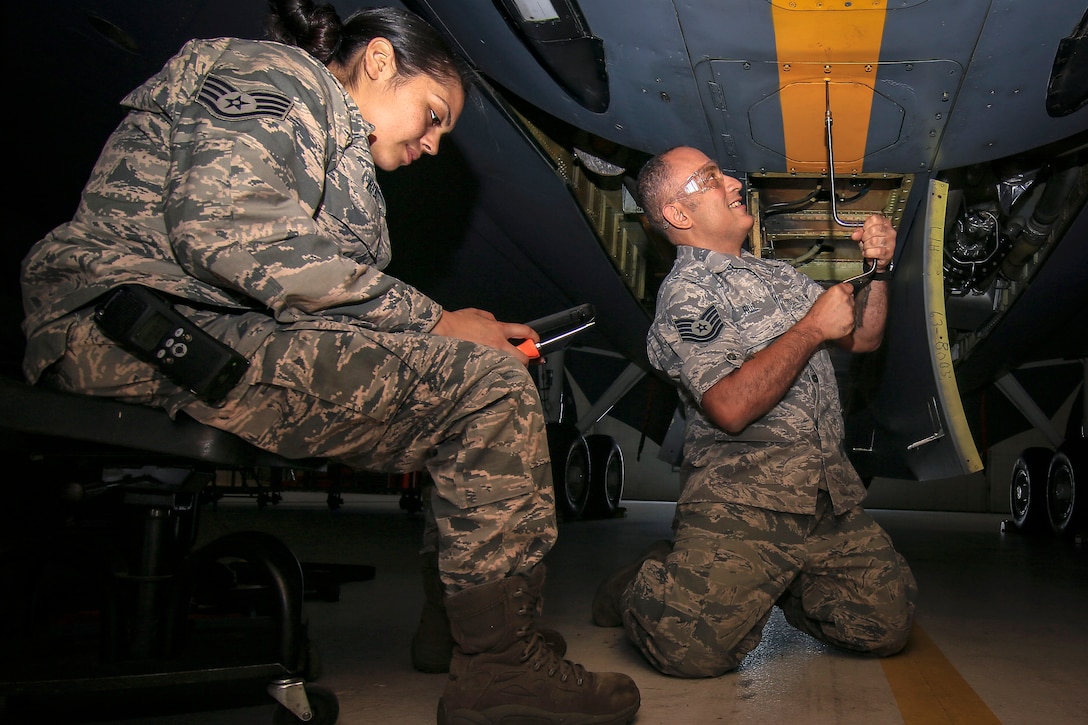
column 893, row 642
column 690, row 660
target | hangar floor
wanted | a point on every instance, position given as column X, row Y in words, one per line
column 1000, row 638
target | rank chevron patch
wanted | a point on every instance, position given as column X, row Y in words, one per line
column 230, row 104
column 704, row 329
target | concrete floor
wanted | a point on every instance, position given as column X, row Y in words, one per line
column 1000, row 638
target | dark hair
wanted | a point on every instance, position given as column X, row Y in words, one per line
column 317, row 29
column 652, row 180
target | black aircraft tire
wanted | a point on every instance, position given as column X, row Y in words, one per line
column 1027, row 490
column 605, row 476
column 570, row 469
column 1066, row 492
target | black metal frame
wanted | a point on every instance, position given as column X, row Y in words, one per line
column 76, row 527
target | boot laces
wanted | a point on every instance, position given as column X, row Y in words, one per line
column 538, row 655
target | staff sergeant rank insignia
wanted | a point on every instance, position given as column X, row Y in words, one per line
column 704, row 329
column 230, row 104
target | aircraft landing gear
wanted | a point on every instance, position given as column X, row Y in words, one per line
column 605, row 476
column 570, row 469
column 1027, row 493
column 1048, row 489
column 587, row 472
column 1065, row 488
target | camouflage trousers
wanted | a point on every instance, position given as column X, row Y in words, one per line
column 385, row 402
column 838, row 578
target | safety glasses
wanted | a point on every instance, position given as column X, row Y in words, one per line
column 704, row 179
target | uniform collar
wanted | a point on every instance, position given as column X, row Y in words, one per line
column 716, row 262
column 359, row 127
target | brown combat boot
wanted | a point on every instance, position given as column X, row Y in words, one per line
column 502, row 671
column 607, row 610
column 432, row 643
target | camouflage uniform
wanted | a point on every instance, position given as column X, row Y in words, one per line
column 768, row 516
column 241, row 183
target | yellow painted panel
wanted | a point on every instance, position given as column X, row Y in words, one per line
column 937, row 330
column 837, row 44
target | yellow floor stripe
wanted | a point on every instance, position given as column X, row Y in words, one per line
column 929, row 690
